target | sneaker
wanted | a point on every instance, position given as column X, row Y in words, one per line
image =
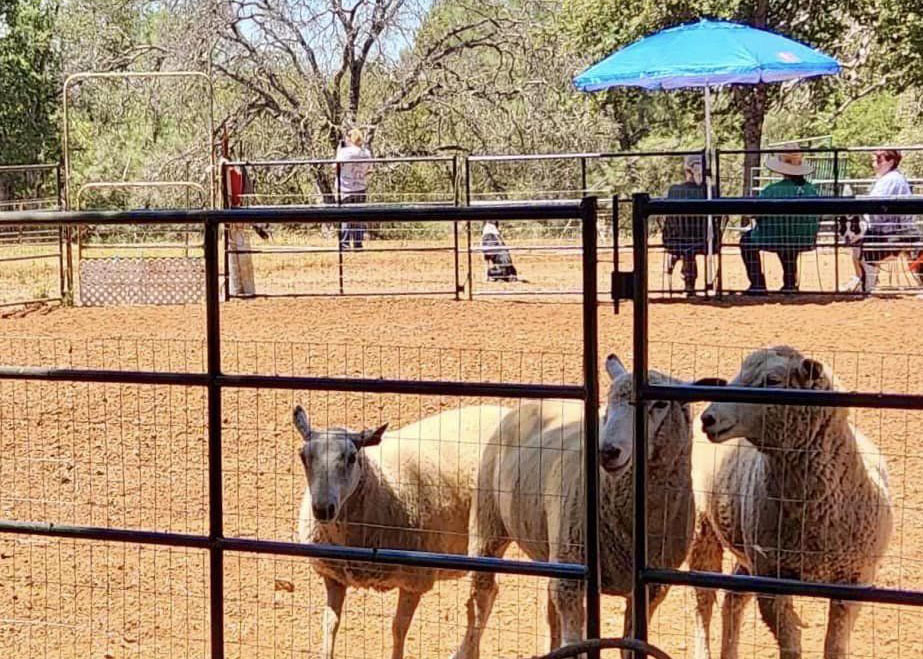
column 789, row 290
column 756, row 291
column 854, row 285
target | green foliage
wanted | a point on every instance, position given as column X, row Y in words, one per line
column 29, row 67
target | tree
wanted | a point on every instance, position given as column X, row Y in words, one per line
column 602, row 28
column 29, row 68
column 309, row 64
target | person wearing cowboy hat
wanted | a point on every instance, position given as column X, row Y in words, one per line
column 785, row 235
column 686, row 236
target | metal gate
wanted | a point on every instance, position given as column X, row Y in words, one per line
column 645, row 392
column 213, row 380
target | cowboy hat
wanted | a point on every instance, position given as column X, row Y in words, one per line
column 791, row 164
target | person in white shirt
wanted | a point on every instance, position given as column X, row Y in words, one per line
column 897, row 230
column 351, row 184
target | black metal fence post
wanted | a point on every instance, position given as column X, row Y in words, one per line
column 615, row 253
column 639, row 590
column 588, row 216
column 215, row 495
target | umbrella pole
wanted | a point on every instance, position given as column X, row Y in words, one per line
column 709, row 229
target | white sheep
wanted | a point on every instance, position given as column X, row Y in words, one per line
column 412, row 492
column 793, row 492
column 530, row 491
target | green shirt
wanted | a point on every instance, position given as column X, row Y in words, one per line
column 797, row 232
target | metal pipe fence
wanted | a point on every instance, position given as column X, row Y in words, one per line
column 215, row 381
column 646, row 575
column 353, row 260
column 36, row 254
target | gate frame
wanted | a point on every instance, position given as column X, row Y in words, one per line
column 214, row 381
column 65, row 273
column 224, row 195
column 645, row 392
column 130, row 75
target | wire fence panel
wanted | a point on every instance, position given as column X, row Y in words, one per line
column 193, row 456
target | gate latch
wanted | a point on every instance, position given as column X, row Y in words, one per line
column 623, row 285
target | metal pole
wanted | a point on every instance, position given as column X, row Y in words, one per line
column 215, row 500
column 639, row 591
column 455, row 202
column 582, row 176
column 591, row 416
column 836, row 172
column 470, row 264
column 457, row 265
column 467, row 182
column 225, row 203
column 709, row 229
column 719, row 286
column 615, row 253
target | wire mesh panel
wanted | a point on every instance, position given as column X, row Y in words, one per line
column 32, row 267
column 126, row 281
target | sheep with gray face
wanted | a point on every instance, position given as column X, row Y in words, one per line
column 791, row 491
column 409, row 489
column 530, row 491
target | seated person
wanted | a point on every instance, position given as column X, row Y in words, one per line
column 685, row 236
column 787, row 236
column 885, row 231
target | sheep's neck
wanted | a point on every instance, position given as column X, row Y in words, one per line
column 352, row 523
column 823, row 462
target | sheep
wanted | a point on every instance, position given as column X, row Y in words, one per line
column 791, row 491
column 530, row 490
column 413, row 492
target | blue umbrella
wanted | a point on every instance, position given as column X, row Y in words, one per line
column 703, row 54
column 706, row 54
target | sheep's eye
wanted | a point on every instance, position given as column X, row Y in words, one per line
column 351, row 460
column 660, row 404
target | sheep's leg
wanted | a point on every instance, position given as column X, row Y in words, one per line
column 779, row 614
column 554, row 622
column 567, row 595
column 336, row 594
column 656, row 593
column 705, row 556
column 406, row 606
column 481, row 600
column 731, row 618
column 840, row 620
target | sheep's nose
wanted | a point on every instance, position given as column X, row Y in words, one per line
column 708, row 420
column 324, row 512
column 611, row 452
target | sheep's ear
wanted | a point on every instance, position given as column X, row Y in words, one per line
column 812, row 370
column 300, row 419
column 615, row 367
column 370, row 437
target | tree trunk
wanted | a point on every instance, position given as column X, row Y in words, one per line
column 754, row 112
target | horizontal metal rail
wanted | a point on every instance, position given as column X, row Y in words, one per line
column 776, row 586
column 575, row 156
column 329, row 250
column 306, row 215
column 414, row 559
column 799, row 206
column 351, row 294
column 334, row 161
column 379, row 386
column 36, row 257
column 423, row 387
column 811, row 397
column 28, row 168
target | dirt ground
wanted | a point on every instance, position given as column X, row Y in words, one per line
column 135, row 457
